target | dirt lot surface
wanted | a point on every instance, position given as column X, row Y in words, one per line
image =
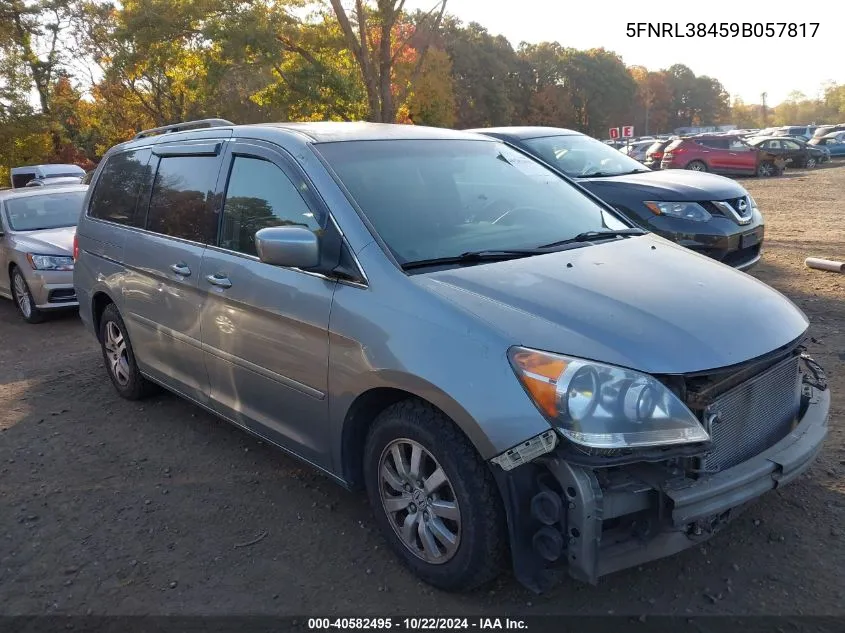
column 112, row 507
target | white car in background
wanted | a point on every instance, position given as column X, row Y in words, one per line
column 637, row 149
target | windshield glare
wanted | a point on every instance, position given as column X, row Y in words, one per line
column 431, row 199
column 45, row 211
column 580, row 156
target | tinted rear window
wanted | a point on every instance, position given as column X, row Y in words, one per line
column 115, row 195
column 179, row 202
column 717, row 143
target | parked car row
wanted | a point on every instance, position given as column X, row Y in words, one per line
column 729, row 153
column 709, row 214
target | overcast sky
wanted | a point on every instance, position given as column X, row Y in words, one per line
column 746, row 67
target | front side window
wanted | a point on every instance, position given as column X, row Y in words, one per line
column 791, row 145
column 44, row 211
column 115, row 195
column 580, row 156
column 260, row 195
column 179, row 202
column 441, row 198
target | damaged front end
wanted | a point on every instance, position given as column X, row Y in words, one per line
column 602, row 510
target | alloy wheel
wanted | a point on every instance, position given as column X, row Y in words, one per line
column 118, row 357
column 419, row 501
column 22, row 295
column 765, row 169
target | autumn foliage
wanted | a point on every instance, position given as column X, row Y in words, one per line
column 78, row 76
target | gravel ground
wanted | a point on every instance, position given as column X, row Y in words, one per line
column 112, row 507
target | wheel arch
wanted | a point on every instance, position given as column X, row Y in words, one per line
column 100, row 300
column 366, row 406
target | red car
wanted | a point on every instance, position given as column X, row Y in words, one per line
column 721, row 155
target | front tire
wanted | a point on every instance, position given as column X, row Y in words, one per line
column 119, row 358
column 697, row 165
column 810, row 163
column 23, row 298
column 434, row 498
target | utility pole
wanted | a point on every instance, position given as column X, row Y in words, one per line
column 763, row 106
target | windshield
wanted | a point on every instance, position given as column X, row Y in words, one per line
column 580, row 156
column 430, row 199
column 44, row 211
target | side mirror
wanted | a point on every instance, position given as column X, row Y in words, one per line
column 290, row 246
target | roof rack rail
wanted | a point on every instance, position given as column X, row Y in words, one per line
column 187, row 125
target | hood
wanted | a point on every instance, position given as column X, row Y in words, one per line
column 47, row 241
column 675, row 185
column 643, row 303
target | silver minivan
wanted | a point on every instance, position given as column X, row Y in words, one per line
column 508, row 367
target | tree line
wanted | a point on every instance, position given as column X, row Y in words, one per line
column 78, row 76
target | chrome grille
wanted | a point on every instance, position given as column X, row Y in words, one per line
column 737, row 208
column 753, row 416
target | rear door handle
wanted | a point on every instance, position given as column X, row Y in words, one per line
column 221, row 281
column 181, row 269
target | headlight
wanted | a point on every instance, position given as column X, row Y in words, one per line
column 686, row 210
column 50, row 262
column 602, row 406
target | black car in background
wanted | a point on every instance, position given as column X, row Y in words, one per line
column 709, row 214
column 796, row 151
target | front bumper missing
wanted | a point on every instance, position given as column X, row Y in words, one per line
column 599, row 525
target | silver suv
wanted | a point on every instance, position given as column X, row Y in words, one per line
column 503, row 363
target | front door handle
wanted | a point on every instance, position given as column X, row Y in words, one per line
column 181, row 269
column 218, row 280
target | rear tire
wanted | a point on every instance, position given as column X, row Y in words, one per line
column 119, row 358
column 410, row 445
column 696, row 165
column 23, row 298
column 766, row 169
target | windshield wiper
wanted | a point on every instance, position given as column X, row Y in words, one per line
column 607, row 174
column 472, row 257
column 596, row 174
column 589, row 236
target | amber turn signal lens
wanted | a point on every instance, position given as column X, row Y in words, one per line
column 539, row 374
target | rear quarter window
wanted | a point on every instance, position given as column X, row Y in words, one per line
column 115, row 195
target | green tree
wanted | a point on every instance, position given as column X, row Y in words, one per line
column 743, row 115
column 600, row 88
column 485, row 71
column 432, row 97
column 377, row 41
